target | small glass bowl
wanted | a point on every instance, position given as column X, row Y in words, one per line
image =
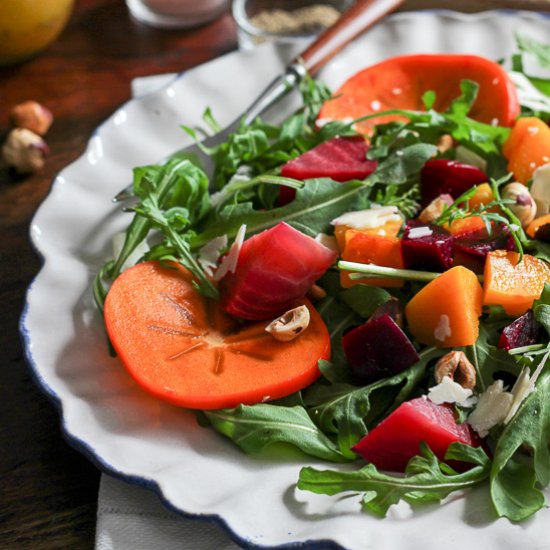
column 176, row 14
column 248, row 15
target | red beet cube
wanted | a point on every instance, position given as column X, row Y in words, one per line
column 523, row 331
column 378, row 348
column 397, row 438
column 440, row 176
column 341, row 159
column 427, row 247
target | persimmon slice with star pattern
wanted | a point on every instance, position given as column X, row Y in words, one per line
column 181, row 346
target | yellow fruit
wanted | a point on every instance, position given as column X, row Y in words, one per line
column 28, row 26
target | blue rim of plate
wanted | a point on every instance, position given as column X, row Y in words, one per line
column 88, row 451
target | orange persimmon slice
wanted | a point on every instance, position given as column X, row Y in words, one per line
column 369, row 248
column 388, row 229
column 182, row 348
column 513, row 284
column 400, row 83
column 445, row 313
column 527, row 147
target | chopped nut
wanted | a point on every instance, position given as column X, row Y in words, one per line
column 456, row 366
column 444, row 143
column 435, row 208
column 540, row 189
column 289, row 325
column 24, row 150
column 32, row 116
column 524, row 207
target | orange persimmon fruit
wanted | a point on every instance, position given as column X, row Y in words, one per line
column 388, row 229
column 527, row 147
column 370, row 248
column 184, row 349
column 483, row 195
column 512, row 284
column 445, row 313
column 400, row 82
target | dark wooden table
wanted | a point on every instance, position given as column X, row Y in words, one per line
column 48, row 491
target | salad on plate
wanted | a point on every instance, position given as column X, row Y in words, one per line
column 367, row 282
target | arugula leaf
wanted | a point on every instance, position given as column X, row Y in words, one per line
column 316, row 203
column 338, row 317
column 253, row 428
column 169, row 222
column 462, row 105
column 541, row 308
column 398, row 168
column 406, row 200
column 346, row 410
column 516, row 481
column 426, row 479
column 486, row 357
column 364, row 299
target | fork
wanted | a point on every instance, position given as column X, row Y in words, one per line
column 358, row 18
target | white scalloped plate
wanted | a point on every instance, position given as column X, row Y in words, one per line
column 134, row 436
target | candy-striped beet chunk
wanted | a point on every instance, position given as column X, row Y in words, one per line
column 274, row 271
column 341, row 159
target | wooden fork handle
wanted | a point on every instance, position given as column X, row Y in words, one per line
column 361, row 16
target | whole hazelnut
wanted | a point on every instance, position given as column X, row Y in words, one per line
column 24, row 150
column 32, row 116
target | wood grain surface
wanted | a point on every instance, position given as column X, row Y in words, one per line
column 48, row 491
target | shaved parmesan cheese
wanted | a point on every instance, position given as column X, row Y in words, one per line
column 369, row 218
column 449, row 391
column 419, row 232
column 210, row 253
column 492, row 408
column 524, row 385
column 229, row 261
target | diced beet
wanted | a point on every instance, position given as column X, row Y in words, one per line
column 378, row 348
column 275, row 269
column 440, row 176
column 427, row 247
column 523, row 331
column 472, row 248
column 391, row 444
column 341, row 159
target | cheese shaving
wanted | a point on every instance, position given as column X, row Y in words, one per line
column 229, row 261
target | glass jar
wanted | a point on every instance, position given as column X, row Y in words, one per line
column 284, row 21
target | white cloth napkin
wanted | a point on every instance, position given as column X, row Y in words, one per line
column 133, row 518
column 130, row 517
